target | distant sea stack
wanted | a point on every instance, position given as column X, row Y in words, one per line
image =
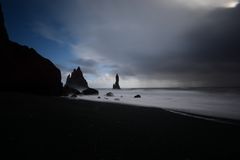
column 76, row 79
column 24, row 70
column 116, row 84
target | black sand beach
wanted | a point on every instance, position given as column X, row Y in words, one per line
column 36, row 127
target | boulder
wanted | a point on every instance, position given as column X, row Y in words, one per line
column 110, row 94
column 90, row 91
column 25, row 70
column 74, row 96
column 137, row 96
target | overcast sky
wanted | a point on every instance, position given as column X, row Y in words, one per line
column 150, row 43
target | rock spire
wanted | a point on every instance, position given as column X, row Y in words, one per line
column 116, row 84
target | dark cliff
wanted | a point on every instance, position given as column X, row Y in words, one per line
column 3, row 31
column 24, row 70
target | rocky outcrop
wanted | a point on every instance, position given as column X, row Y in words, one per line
column 24, row 70
column 70, row 91
column 137, row 96
column 116, row 84
column 76, row 79
column 90, row 91
column 109, row 94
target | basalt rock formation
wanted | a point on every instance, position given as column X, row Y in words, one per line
column 116, row 84
column 24, row 70
column 90, row 91
column 76, row 79
column 70, row 91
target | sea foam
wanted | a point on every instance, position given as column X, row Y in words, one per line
column 200, row 102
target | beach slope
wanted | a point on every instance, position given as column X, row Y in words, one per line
column 38, row 127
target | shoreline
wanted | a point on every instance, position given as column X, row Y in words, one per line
column 207, row 118
column 178, row 112
column 34, row 126
column 222, row 106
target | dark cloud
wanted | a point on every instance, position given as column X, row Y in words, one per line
column 64, row 68
column 88, row 66
column 90, row 70
column 214, row 48
column 209, row 58
column 85, row 62
column 188, row 42
column 160, row 40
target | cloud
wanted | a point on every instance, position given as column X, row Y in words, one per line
column 47, row 32
column 160, row 42
column 208, row 4
column 85, row 62
column 53, row 31
column 88, row 65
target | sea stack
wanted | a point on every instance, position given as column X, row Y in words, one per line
column 116, row 84
column 76, row 80
column 24, row 70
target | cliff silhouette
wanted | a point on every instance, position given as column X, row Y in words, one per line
column 24, row 70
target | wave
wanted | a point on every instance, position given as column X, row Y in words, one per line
column 222, row 104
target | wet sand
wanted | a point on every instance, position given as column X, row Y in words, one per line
column 37, row 127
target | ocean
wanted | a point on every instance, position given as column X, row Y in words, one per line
column 209, row 103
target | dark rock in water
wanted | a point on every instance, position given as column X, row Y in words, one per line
column 110, row 94
column 137, row 96
column 99, row 97
column 116, row 84
column 117, row 99
column 76, row 79
column 24, row 70
column 90, row 91
column 74, row 96
column 68, row 91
